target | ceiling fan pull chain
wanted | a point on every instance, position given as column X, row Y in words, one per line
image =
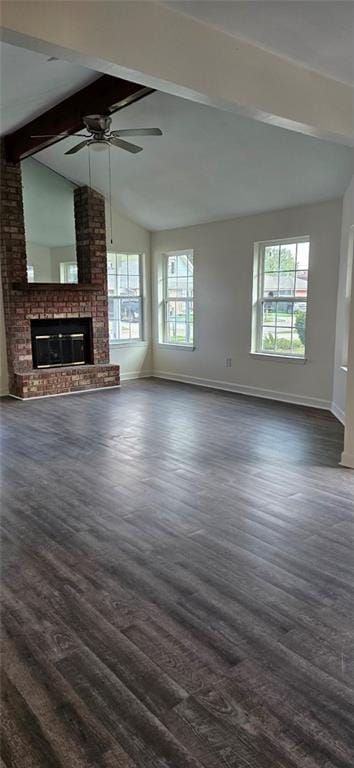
column 110, row 190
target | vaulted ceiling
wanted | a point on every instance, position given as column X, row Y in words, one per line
column 209, row 164
column 317, row 33
column 31, row 83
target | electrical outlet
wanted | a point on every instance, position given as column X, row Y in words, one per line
column 228, row 362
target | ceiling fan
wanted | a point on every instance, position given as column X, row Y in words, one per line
column 100, row 136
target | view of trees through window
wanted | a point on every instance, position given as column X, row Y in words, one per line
column 179, row 301
column 124, row 297
column 283, row 298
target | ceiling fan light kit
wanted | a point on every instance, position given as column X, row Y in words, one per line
column 100, row 136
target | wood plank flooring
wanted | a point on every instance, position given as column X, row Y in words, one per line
column 177, row 569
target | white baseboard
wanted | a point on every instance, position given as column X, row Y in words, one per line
column 135, row 375
column 243, row 389
column 338, row 413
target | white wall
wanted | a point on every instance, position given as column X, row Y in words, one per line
column 58, row 255
column 39, row 257
column 136, row 359
column 223, row 254
column 344, row 283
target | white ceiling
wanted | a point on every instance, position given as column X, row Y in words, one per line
column 318, row 34
column 30, row 84
column 209, row 164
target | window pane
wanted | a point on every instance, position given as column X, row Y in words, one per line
column 111, row 263
column 171, row 266
column 179, row 298
column 271, row 258
column 113, row 330
column 122, row 264
column 171, row 310
column 181, row 310
column 190, row 312
column 181, row 332
column 135, row 330
column 190, row 265
column 134, row 285
column 124, row 331
column 130, row 309
column 125, row 313
column 172, row 287
column 133, row 264
column 113, row 309
column 302, row 260
column 283, row 342
column 182, row 284
column 122, row 285
column 271, row 284
column 287, row 257
column 112, row 285
column 268, row 339
column 284, row 314
column 269, row 312
column 301, row 283
column 299, row 330
column 171, row 331
column 282, row 323
column 286, row 283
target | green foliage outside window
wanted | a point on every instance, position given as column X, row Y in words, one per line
column 300, row 324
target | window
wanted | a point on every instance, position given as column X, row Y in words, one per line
column 125, row 297
column 30, row 273
column 68, row 272
column 280, row 304
column 178, row 303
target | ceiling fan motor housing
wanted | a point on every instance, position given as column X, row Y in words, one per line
column 97, row 124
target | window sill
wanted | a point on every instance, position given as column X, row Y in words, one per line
column 183, row 347
column 137, row 343
column 279, row 358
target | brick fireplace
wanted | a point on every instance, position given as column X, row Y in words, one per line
column 26, row 302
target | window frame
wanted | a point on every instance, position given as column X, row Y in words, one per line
column 141, row 338
column 259, row 299
column 187, row 345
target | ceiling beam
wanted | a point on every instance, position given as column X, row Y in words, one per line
column 151, row 43
column 105, row 95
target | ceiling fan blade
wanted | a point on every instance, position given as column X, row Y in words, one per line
column 133, row 148
column 138, row 132
column 77, row 148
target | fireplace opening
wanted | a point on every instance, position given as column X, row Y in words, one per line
column 57, row 343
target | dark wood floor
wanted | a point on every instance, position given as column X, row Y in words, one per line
column 178, row 583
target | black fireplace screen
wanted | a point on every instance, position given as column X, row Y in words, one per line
column 61, row 342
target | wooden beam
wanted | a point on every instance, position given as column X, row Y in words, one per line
column 105, row 95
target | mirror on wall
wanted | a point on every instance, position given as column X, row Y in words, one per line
column 48, row 206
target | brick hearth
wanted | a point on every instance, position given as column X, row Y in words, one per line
column 25, row 301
